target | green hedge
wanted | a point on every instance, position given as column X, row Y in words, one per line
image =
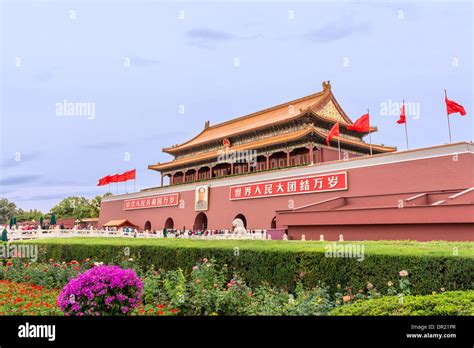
column 448, row 303
column 279, row 262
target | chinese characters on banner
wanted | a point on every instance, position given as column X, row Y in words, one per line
column 308, row 184
column 151, row 202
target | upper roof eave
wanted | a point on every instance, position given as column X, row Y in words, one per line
column 265, row 142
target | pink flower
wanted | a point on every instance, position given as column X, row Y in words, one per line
column 346, row 298
column 403, row 273
column 195, row 268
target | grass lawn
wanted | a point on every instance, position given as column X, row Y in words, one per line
column 438, row 248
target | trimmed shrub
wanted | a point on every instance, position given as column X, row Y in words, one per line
column 280, row 263
column 447, row 303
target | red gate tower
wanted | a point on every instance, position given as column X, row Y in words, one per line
column 275, row 170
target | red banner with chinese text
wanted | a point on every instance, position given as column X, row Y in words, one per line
column 152, row 202
column 294, row 186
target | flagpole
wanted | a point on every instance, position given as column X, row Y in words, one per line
column 126, row 186
column 406, row 128
column 370, row 135
column 117, row 182
column 135, row 181
column 447, row 115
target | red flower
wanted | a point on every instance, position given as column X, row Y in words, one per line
column 76, row 268
column 160, row 306
column 74, row 262
column 9, row 264
column 55, row 265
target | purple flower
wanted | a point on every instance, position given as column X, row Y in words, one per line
column 101, row 290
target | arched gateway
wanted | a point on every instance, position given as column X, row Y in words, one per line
column 242, row 217
column 274, row 223
column 169, row 224
column 200, row 222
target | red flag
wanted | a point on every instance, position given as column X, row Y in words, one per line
column 103, row 181
column 121, row 177
column 130, row 175
column 454, row 107
column 333, row 132
column 361, row 125
column 403, row 116
column 113, row 178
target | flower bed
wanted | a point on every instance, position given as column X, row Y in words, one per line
column 208, row 288
column 432, row 265
column 27, row 299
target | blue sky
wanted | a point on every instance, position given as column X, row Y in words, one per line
column 141, row 63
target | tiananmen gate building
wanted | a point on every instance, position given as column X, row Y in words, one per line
column 274, row 170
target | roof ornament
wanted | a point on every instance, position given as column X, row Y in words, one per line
column 226, row 143
column 206, row 125
column 327, row 85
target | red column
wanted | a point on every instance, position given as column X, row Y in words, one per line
column 210, row 172
column 248, row 166
column 172, row 179
column 196, row 176
column 311, row 153
column 288, row 158
column 268, row 161
column 231, row 168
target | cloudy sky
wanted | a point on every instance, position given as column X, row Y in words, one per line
column 153, row 72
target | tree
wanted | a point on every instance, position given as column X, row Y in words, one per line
column 32, row 214
column 7, row 210
column 78, row 207
column 95, row 204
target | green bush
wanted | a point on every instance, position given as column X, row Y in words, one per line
column 431, row 266
column 447, row 303
column 208, row 290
